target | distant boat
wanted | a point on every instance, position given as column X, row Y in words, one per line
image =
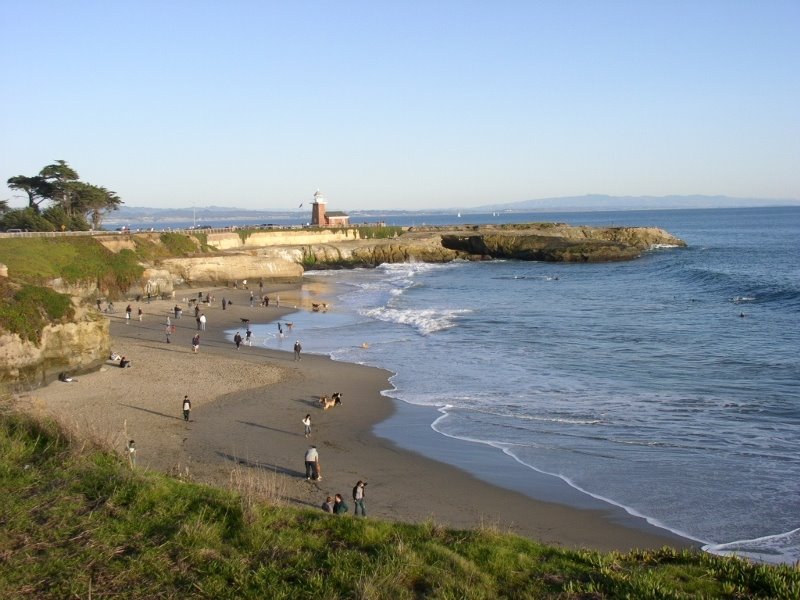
column 459, row 215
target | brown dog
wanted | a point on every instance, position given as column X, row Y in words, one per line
column 327, row 402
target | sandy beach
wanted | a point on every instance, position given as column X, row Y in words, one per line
column 247, row 407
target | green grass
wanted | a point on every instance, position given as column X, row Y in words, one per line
column 78, row 522
column 75, row 259
column 27, row 309
column 178, row 244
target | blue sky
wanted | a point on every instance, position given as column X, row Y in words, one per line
column 403, row 105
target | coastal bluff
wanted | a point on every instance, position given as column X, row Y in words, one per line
column 284, row 255
column 553, row 242
column 78, row 345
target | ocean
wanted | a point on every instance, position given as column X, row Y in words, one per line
column 667, row 385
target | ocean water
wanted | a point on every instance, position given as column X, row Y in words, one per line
column 668, row 385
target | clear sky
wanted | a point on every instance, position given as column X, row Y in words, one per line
column 402, row 105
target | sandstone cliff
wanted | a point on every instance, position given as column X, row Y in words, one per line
column 559, row 243
column 283, row 255
column 69, row 347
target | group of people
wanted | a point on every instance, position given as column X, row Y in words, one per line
column 248, row 339
column 336, row 504
column 128, row 312
column 313, row 468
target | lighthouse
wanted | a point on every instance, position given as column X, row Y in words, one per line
column 318, row 210
column 320, row 217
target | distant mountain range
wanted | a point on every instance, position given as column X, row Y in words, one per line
column 586, row 203
column 602, row 202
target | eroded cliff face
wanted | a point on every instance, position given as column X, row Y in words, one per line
column 268, row 264
column 70, row 347
column 560, row 243
column 283, row 255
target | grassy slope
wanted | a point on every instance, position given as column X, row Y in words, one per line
column 75, row 259
column 77, row 522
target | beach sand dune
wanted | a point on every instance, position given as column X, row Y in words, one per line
column 247, row 407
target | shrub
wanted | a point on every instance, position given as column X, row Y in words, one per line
column 178, row 244
column 27, row 309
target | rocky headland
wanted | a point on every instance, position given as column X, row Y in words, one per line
column 284, row 255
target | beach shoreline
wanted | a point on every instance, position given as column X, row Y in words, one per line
column 247, row 407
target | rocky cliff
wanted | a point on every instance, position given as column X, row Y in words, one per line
column 283, row 255
column 69, row 347
column 559, row 243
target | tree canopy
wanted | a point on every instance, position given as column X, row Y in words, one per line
column 73, row 204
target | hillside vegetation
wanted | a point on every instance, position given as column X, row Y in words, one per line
column 73, row 259
column 78, row 522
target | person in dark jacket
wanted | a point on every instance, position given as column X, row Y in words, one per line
column 339, row 505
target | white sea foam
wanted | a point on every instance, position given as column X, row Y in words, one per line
column 776, row 549
column 425, row 321
column 507, row 449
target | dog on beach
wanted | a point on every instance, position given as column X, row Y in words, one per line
column 331, row 401
column 327, row 402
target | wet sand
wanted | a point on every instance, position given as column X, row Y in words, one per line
column 247, row 407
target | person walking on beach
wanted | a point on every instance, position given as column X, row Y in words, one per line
column 312, row 464
column 128, row 311
column 297, row 349
column 168, row 332
column 223, row 303
column 202, row 321
column 307, row 425
column 358, row 498
column 252, row 298
column 339, row 505
column 187, row 407
column 248, row 337
column 140, row 314
column 196, row 343
column 237, row 339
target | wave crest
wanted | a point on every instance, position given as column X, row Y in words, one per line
column 425, row 321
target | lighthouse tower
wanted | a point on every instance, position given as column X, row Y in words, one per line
column 318, row 210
